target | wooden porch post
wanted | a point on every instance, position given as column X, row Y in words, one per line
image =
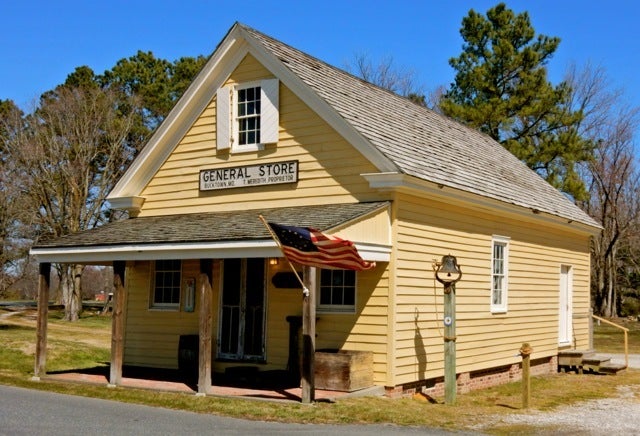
column 309, row 336
column 205, row 327
column 43, row 313
column 117, row 323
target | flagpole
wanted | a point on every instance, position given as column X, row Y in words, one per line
column 305, row 290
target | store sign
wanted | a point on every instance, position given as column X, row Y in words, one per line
column 272, row 173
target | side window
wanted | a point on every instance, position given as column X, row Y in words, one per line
column 247, row 115
column 166, row 284
column 499, row 273
column 337, row 291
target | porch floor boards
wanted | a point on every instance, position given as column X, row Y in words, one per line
column 284, row 394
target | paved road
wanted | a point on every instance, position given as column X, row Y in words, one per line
column 32, row 412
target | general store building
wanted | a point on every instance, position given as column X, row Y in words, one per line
column 266, row 129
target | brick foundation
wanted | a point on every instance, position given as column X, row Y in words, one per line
column 469, row 381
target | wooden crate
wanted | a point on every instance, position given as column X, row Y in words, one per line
column 343, row 370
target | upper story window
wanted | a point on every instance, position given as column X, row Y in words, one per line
column 166, row 284
column 247, row 115
column 499, row 273
column 337, row 291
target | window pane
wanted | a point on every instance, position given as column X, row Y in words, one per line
column 336, row 296
column 337, row 290
column 337, row 279
column 167, row 282
column 350, row 279
column 325, row 295
column 497, row 291
column 498, row 251
column 231, row 280
column 349, row 297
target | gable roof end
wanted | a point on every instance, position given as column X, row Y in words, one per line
column 226, row 57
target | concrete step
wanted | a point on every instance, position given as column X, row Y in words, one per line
column 587, row 360
column 611, row 368
column 595, row 359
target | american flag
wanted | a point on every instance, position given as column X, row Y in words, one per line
column 308, row 246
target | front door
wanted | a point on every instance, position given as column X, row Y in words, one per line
column 242, row 310
column 566, row 313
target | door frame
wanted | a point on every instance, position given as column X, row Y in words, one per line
column 240, row 356
column 565, row 305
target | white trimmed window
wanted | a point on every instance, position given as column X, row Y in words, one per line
column 337, row 291
column 247, row 115
column 166, row 284
column 499, row 273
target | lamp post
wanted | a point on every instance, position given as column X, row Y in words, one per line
column 448, row 273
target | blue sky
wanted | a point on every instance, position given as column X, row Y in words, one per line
column 41, row 42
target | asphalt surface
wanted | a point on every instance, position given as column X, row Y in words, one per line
column 32, row 412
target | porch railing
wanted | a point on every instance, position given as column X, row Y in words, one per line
column 626, row 336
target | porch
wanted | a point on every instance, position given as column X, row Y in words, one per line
column 212, row 283
column 270, row 386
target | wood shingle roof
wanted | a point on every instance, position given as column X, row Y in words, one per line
column 241, row 225
column 422, row 143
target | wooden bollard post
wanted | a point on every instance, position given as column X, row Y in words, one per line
column 525, row 352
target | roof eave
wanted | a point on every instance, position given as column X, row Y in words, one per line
column 394, row 181
column 195, row 99
column 105, row 255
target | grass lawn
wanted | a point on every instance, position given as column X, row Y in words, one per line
column 86, row 344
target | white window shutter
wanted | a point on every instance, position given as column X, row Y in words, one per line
column 223, row 118
column 269, row 115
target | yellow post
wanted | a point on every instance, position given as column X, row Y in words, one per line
column 525, row 352
column 626, row 348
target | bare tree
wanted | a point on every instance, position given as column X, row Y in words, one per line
column 612, row 179
column 96, row 280
column 386, row 74
column 15, row 222
column 71, row 151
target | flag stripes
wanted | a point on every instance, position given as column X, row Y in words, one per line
column 308, row 246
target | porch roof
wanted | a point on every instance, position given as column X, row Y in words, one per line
column 202, row 235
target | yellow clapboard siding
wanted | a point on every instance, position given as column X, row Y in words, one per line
column 152, row 335
column 428, row 232
column 331, row 174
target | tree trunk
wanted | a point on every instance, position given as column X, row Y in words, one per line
column 72, row 292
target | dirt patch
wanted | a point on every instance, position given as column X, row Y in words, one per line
column 617, row 414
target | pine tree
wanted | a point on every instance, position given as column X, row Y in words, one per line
column 501, row 88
